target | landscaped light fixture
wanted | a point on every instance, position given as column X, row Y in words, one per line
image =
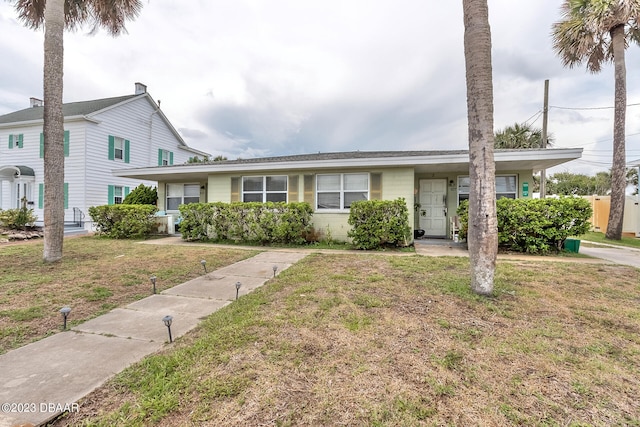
column 65, row 313
column 238, row 284
column 204, row 265
column 167, row 322
column 275, row 268
column 153, row 282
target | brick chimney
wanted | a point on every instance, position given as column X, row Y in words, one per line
column 140, row 88
column 35, row 102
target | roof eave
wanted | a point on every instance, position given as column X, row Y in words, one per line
column 455, row 161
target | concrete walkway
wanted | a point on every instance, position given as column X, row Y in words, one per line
column 43, row 379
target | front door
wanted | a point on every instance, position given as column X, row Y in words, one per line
column 433, row 207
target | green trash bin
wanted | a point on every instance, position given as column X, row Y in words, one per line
column 572, row 245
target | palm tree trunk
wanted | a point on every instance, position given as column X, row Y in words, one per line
column 483, row 230
column 618, row 170
column 53, row 131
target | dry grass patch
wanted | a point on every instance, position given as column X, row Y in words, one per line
column 95, row 276
column 387, row 341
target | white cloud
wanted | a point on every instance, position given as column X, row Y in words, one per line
column 254, row 78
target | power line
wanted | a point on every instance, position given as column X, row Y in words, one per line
column 589, row 108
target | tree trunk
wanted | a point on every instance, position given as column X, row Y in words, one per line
column 53, row 131
column 483, row 230
column 618, row 169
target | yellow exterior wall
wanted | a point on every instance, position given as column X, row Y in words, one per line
column 396, row 182
column 452, row 188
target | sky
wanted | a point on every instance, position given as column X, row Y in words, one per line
column 255, row 78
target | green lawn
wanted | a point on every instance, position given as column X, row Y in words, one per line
column 379, row 340
column 95, row 276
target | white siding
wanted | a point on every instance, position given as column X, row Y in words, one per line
column 88, row 170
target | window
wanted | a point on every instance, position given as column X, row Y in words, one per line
column 116, row 194
column 165, row 157
column 338, row 191
column 181, row 194
column 66, row 144
column 264, row 188
column 65, row 190
column 118, row 149
column 16, row 141
column 506, row 186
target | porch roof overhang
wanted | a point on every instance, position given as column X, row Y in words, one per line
column 420, row 161
column 12, row 172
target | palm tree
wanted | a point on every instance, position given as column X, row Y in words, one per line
column 482, row 236
column 58, row 14
column 520, row 136
column 595, row 32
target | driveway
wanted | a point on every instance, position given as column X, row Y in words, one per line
column 617, row 254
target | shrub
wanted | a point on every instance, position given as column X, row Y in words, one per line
column 141, row 195
column 379, row 223
column 536, row 225
column 123, row 221
column 16, row 219
column 246, row 222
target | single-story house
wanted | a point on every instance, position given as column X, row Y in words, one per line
column 432, row 182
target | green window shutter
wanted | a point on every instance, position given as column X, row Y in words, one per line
column 21, row 140
column 293, row 189
column 235, row 189
column 170, row 157
column 159, row 156
column 110, row 191
column 112, row 149
column 40, row 196
column 66, row 143
column 66, row 195
column 126, row 191
column 10, row 142
column 126, row 150
column 375, row 186
column 309, row 190
column 41, row 145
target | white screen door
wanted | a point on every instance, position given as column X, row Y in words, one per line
column 433, row 199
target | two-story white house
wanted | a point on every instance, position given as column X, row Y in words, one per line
column 100, row 136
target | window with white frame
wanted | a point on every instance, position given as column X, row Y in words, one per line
column 264, row 188
column 181, row 194
column 118, row 194
column 165, row 158
column 118, row 149
column 338, row 191
column 506, row 186
column 16, row 141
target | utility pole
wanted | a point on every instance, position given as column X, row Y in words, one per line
column 543, row 143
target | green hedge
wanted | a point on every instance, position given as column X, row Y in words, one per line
column 379, row 223
column 142, row 195
column 535, row 225
column 264, row 223
column 17, row 219
column 124, row 221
